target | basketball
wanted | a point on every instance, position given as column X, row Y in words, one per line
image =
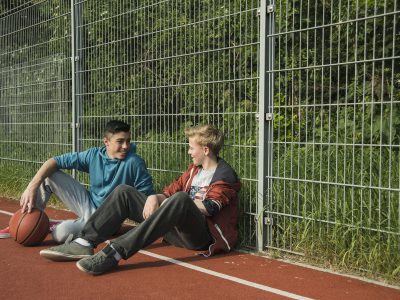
column 29, row 229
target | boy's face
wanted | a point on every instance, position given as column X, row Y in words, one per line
column 117, row 144
column 197, row 152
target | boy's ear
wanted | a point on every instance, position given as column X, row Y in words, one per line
column 206, row 150
column 105, row 141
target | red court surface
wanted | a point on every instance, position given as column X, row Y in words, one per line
column 167, row 272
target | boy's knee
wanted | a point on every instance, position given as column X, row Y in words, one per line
column 124, row 189
column 49, row 182
column 121, row 194
column 57, row 176
column 180, row 199
column 180, row 196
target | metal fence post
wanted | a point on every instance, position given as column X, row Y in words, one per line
column 265, row 137
column 77, row 84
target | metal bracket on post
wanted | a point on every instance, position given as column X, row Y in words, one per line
column 270, row 8
column 269, row 116
column 268, row 221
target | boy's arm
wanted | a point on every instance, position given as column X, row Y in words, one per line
column 141, row 178
column 76, row 160
column 179, row 184
column 221, row 193
column 28, row 197
column 153, row 202
column 201, row 207
column 174, row 187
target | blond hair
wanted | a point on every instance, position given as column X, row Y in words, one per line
column 206, row 135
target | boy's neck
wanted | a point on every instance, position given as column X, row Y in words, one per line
column 210, row 163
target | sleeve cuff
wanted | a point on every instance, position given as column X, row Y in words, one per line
column 211, row 207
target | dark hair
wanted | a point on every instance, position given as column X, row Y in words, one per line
column 116, row 126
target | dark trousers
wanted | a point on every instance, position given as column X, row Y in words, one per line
column 178, row 220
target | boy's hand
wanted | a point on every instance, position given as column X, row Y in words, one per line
column 27, row 201
column 150, row 206
column 201, row 207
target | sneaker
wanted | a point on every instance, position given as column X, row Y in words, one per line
column 5, row 233
column 68, row 251
column 100, row 263
column 53, row 224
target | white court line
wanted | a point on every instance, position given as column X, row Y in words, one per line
column 213, row 273
column 227, row 277
column 6, row 212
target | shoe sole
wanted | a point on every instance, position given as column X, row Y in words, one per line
column 87, row 271
column 5, row 236
column 59, row 256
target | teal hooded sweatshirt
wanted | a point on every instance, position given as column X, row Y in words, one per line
column 106, row 173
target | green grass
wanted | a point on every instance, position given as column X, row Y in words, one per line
column 13, row 180
column 335, row 214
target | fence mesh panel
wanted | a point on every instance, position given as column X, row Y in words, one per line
column 336, row 140
column 35, row 93
column 164, row 65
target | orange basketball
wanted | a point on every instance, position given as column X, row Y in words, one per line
column 29, row 229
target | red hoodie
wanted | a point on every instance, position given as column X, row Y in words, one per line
column 223, row 190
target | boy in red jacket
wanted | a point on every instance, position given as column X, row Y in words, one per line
column 197, row 211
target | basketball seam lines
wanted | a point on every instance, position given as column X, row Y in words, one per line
column 33, row 230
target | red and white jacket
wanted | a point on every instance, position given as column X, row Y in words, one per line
column 223, row 190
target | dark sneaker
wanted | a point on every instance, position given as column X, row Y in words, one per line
column 68, row 251
column 100, row 263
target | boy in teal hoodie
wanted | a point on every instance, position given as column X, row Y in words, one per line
column 113, row 164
